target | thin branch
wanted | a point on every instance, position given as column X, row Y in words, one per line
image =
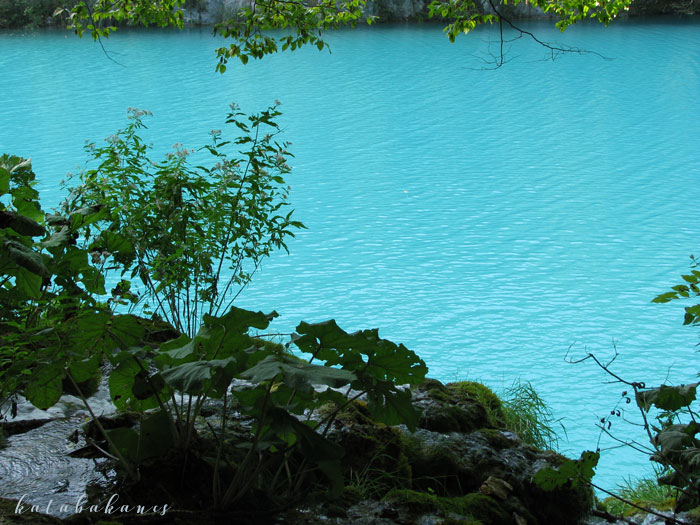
column 668, row 519
column 554, row 49
column 99, row 38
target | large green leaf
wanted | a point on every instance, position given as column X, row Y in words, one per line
column 126, row 441
column 45, row 386
column 298, row 374
column 392, row 406
column 155, row 435
column 26, row 201
column 28, row 283
column 4, row 180
column 380, row 358
column 201, row 377
column 176, row 351
column 83, row 369
column 26, row 257
column 240, row 321
column 676, row 438
column 666, row 397
column 60, row 238
column 121, row 385
column 576, row 472
column 103, row 331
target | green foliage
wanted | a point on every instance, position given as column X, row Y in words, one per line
column 674, row 408
column 465, row 15
column 30, row 13
column 689, row 288
column 255, row 28
column 192, row 235
column 252, row 28
column 45, row 293
column 181, row 374
column 572, row 472
column 100, row 17
column 379, row 366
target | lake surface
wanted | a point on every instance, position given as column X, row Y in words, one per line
column 490, row 220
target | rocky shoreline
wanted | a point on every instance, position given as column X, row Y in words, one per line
column 461, row 465
column 206, row 12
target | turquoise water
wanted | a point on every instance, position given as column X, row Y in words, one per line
column 489, row 220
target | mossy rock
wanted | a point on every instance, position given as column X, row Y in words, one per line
column 484, row 395
column 375, row 459
column 354, row 413
column 446, row 409
column 435, row 468
column 480, row 507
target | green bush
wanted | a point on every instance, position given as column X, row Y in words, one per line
column 31, row 13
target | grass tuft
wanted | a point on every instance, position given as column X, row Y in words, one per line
column 526, row 414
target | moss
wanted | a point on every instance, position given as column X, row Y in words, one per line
column 480, row 507
column 470, row 509
column 273, row 348
column 355, row 413
column 376, row 459
column 434, row 468
column 450, row 410
column 694, row 515
column 417, row 502
column 484, row 395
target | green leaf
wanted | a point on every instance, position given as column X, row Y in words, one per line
column 60, row 238
column 126, row 441
column 155, row 435
column 392, row 406
column 665, row 297
column 20, row 224
column 45, row 386
column 671, row 398
column 4, row 181
column 116, row 243
column 121, row 382
column 26, row 258
column 84, row 369
column 28, row 282
column 239, row 320
column 576, row 472
column 87, row 215
column 176, row 351
column 675, row 439
column 201, row 377
column 298, row 374
column 103, row 331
